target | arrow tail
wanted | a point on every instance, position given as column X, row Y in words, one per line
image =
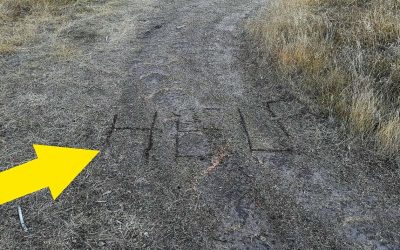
column 20, row 181
column 55, row 168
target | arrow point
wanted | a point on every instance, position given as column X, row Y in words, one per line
column 62, row 165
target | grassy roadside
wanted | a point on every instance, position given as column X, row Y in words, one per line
column 346, row 53
column 61, row 86
column 21, row 20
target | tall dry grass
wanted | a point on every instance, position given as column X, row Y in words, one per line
column 347, row 52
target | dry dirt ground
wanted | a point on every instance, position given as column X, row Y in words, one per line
column 199, row 148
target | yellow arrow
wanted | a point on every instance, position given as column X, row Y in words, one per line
column 55, row 168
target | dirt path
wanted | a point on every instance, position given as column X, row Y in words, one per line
column 200, row 152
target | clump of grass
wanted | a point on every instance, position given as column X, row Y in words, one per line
column 388, row 134
column 347, row 52
column 13, row 9
column 363, row 111
column 20, row 19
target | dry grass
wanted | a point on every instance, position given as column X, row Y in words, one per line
column 347, row 52
column 21, row 19
column 57, row 86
